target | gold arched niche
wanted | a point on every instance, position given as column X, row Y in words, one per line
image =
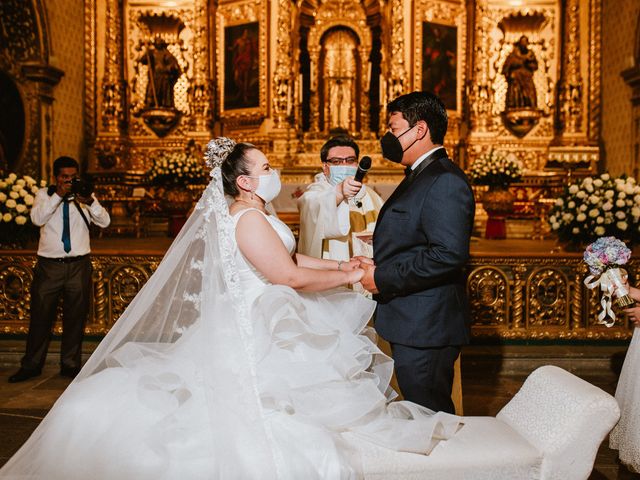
column 339, row 18
column 340, row 68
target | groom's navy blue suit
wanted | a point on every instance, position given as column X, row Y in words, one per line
column 421, row 247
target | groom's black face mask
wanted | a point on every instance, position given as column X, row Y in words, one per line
column 392, row 148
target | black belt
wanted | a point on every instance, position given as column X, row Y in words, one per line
column 64, row 259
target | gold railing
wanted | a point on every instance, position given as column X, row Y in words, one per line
column 515, row 296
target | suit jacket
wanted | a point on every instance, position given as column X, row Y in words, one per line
column 421, row 247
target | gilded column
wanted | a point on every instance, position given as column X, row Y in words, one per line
column 481, row 92
column 595, row 69
column 518, row 303
column 201, row 90
column 397, row 83
column 113, row 84
column 314, row 55
column 576, row 299
column 100, row 296
column 571, row 96
column 282, row 81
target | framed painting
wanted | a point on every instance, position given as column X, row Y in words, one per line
column 440, row 62
column 242, row 66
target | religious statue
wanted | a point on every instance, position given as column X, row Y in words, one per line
column 164, row 72
column 518, row 69
column 339, row 104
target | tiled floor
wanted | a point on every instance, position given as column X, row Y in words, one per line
column 491, row 376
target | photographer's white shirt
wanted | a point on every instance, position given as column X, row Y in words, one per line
column 46, row 213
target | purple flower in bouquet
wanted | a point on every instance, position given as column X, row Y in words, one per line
column 604, row 253
column 604, row 257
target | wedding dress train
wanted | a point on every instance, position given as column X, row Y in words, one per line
column 213, row 373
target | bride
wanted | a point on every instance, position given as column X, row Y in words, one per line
column 237, row 360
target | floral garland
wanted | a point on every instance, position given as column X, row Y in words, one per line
column 596, row 207
column 17, row 195
column 496, row 169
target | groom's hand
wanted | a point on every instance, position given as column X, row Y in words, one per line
column 368, row 281
column 364, row 260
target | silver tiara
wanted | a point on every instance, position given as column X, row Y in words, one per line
column 217, row 150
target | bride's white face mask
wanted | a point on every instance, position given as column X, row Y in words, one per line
column 268, row 186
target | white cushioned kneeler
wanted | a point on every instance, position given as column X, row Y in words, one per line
column 483, row 449
column 550, row 430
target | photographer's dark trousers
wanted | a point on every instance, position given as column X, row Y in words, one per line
column 69, row 278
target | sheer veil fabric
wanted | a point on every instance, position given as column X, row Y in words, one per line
column 195, row 381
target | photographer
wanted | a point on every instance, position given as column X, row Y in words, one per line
column 64, row 213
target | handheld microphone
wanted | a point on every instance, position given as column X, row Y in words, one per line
column 363, row 168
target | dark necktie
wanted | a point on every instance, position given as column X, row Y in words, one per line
column 66, row 230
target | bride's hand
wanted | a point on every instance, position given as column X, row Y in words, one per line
column 354, row 276
column 349, row 266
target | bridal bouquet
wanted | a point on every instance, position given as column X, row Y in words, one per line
column 604, row 257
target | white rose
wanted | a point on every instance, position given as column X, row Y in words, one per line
column 581, row 194
column 12, row 177
column 21, row 219
column 16, row 188
column 594, row 212
column 23, row 193
column 30, row 180
column 28, row 200
column 581, row 217
column 21, row 182
column 567, row 217
column 34, row 189
column 607, row 206
column 620, row 203
column 629, row 189
column 599, row 220
column 635, row 211
column 622, row 195
column 583, row 208
column 622, row 226
column 555, row 226
column 3, row 197
column 599, row 230
column 7, row 217
column 20, row 208
column 3, row 185
column 594, row 199
column 621, row 215
column 559, row 202
column 571, row 204
column 573, row 189
column 14, row 195
column 575, row 230
column 609, row 194
column 597, row 182
column 553, row 219
column 605, row 176
column 636, row 199
column 11, row 203
column 588, row 181
column 589, row 187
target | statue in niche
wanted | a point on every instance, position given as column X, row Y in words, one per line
column 340, row 74
column 518, row 69
column 340, row 101
column 164, row 72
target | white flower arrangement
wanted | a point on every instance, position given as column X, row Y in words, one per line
column 597, row 207
column 16, row 200
column 177, row 169
column 496, row 169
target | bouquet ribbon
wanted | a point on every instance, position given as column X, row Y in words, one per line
column 610, row 282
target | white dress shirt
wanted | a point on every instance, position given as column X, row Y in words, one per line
column 422, row 157
column 46, row 213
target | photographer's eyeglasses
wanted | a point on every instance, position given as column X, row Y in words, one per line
column 342, row 160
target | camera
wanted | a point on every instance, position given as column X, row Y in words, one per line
column 81, row 187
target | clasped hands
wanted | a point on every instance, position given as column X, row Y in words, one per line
column 367, row 265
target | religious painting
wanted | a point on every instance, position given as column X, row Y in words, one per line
column 440, row 61
column 241, row 66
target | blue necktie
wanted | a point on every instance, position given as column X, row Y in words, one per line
column 66, row 230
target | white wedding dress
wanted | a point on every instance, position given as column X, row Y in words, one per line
column 625, row 437
column 213, row 373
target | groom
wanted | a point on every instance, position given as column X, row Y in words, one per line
column 421, row 246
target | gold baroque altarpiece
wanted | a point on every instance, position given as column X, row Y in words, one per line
column 517, row 297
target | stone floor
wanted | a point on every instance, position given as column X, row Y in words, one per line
column 491, row 375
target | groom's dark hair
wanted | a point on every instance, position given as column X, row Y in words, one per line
column 424, row 106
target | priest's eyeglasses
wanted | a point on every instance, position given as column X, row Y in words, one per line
column 342, row 160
